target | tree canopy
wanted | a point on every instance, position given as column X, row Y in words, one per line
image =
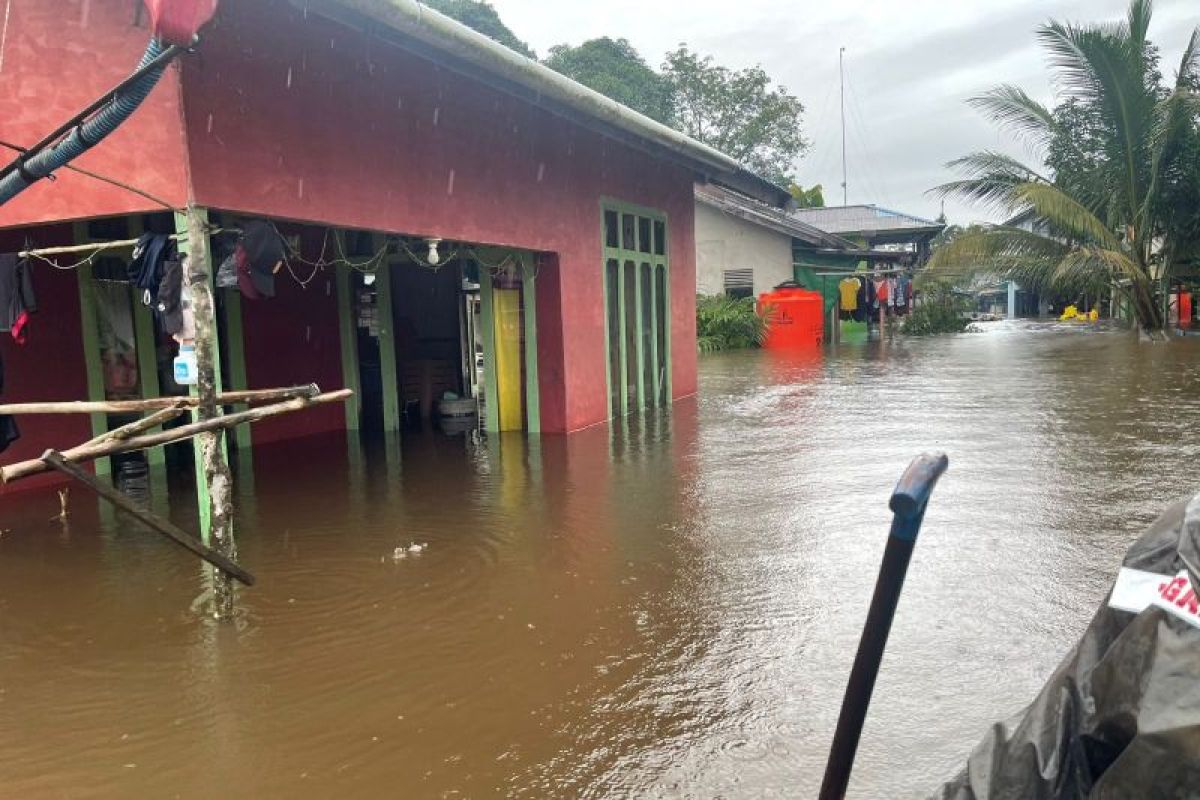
column 738, row 112
column 1116, row 203
column 482, row 17
column 808, row 198
column 614, row 68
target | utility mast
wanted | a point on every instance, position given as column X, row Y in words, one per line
column 842, row 80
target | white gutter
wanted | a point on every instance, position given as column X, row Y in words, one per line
column 423, row 24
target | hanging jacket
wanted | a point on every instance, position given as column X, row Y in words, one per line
column 17, row 300
column 146, row 269
column 168, row 304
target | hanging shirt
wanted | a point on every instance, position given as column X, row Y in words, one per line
column 881, row 291
column 892, row 292
column 902, row 287
column 848, row 289
column 17, row 301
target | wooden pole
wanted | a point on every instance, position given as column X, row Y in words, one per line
column 154, row 403
column 198, row 281
column 106, row 446
column 226, row 566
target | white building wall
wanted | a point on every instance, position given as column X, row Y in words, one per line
column 724, row 243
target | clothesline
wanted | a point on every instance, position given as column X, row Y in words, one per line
column 861, row 274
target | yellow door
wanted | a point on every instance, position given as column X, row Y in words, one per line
column 506, row 306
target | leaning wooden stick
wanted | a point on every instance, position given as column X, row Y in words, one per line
column 55, row 460
column 141, row 425
column 90, row 451
column 154, row 403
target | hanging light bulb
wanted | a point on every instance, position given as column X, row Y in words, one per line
column 368, row 278
column 434, row 258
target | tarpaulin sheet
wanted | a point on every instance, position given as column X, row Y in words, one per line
column 1120, row 717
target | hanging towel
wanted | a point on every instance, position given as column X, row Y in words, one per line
column 17, row 300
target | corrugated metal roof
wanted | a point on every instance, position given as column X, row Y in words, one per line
column 758, row 213
column 862, row 219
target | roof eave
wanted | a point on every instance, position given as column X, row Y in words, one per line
column 540, row 85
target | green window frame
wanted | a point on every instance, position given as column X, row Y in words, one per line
column 635, row 275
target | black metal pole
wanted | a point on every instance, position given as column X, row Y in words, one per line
column 908, row 507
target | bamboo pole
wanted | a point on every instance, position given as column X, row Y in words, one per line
column 154, row 403
column 227, row 566
column 141, row 425
column 101, row 447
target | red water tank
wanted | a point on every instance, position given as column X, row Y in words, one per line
column 178, row 21
column 795, row 317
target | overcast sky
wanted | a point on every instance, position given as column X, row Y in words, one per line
column 909, row 66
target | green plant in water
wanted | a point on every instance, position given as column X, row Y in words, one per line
column 941, row 310
column 728, row 323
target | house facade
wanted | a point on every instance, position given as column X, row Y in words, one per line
column 457, row 218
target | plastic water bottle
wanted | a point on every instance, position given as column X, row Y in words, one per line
column 185, row 365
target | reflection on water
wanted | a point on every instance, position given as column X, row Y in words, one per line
column 669, row 610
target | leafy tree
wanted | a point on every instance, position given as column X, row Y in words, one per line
column 738, row 112
column 1120, row 208
column 481, row 16
column 614, row 68
column 808, row 198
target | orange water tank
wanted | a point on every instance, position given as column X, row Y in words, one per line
column 796, row 317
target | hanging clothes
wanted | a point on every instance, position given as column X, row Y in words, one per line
column 903, row 288
column 145, row 271
column 168, row 305
column 864, row 307
column 259, row 256
column 891, row 284
column 848, row 297
column 9, row 432
column 848, row 292
column 881, row 292
column 17, row 300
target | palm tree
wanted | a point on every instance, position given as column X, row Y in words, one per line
column 1118, row 205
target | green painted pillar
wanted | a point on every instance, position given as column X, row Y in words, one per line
column 656, row 376
column 491, row 389
column 348, row 334
column 388, row 368
column 235, row 351
column 533, row 412
column 638, row 311
column 90, row 324
column 202, row 501
column 623, row 327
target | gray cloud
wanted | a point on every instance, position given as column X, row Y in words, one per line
column 910, row 67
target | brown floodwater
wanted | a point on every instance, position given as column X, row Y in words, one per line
column 665, row 610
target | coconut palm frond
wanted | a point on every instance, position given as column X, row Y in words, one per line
column 1137, row 20
column 1189, row 65
column 1109, row 68
column 1005, row 251
column 991, row 178
column 1066, row 214
column 1085, row 266
column 1012, row 108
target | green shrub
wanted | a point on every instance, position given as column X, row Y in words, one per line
column 941, row 310
column 728, row 323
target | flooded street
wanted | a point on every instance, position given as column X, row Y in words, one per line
column 670, row 611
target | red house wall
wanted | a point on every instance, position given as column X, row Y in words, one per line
column 58, row 56
column 304, row 119
column 50, row 365
column 293, row 339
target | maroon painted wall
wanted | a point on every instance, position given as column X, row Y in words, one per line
column 293, row 339
column 305, row 119
column 57, row 57
column 50, row 365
